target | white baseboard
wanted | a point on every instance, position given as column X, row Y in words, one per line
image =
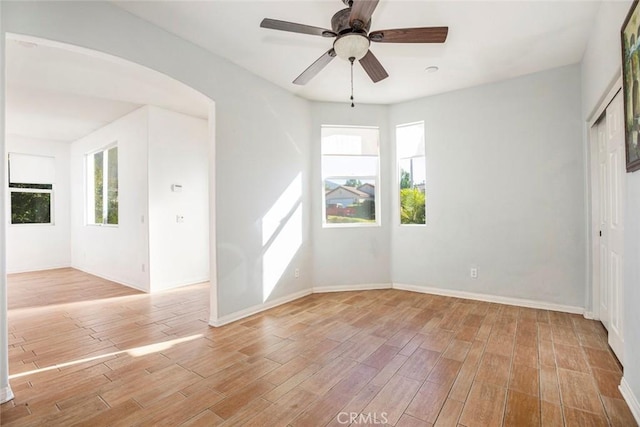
column 258, row 308
column 5, row 394
column 589, row 315
column 182, row 284
column 229, row 318
column 413, row 288
column 631, row 399
column 33, row 270
column 491, row 298
column 351, row 288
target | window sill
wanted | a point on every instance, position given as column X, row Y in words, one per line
column 351, row 225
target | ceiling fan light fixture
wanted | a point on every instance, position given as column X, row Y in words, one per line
column 352, row 45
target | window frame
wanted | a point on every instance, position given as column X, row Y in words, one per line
column 398, row 174
column 376, row 180
column 51, row 193
column 90, row 211
column 17, row 187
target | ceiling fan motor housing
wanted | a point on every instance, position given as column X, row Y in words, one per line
column 340, row 23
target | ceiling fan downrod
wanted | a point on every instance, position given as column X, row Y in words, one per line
column 352, row 59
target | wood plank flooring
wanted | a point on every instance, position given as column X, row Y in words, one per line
column 85, row 351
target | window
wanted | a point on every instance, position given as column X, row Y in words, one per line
column 102, row 187
column 31, row 203
column 31, row 180
column 350, row 165
column 412, row 173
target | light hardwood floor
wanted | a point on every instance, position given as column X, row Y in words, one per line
column 85, row 351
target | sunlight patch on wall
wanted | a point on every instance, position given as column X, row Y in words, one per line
column 281, row 235
column 281, row 209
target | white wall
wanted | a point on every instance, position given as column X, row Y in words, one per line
column 53, row 248
column 262, row 175
column 178, row 154
column 601, row 59
column 114, row 252
column 601, row 66
column 504, row 191
column 353, row 255
column 5, row 389
column 631, row 285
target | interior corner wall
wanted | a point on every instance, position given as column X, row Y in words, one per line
column 337, row 250
column 119, row 253
column 601, row 65
column 54, row 241
column 178, row 154
column 504, row 191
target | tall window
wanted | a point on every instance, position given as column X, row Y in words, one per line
column 412, row 173
column 350, row 175
column 31, row 180
column 102, row 187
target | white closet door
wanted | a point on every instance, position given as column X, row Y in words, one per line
column 613, row 232
column 603, row 214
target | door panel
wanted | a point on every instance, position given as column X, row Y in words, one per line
column 614, row 225
column 603, row 214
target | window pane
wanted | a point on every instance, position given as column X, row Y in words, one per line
column 350, row 170
column 349, row 166
column 350, row 200
column 350, row 140
column 30, row 208
column 112, row 187
column 98, row 177
column 412, row 137
column 31, row 169
column 410, row 151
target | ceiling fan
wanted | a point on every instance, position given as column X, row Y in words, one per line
column 350, row 28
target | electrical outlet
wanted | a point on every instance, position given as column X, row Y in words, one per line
column 296, row 273
column 474, row 273
column 179, row 219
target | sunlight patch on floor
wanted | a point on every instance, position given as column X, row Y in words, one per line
column 134, row 352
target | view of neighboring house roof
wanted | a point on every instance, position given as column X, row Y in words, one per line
column 356, row 192
column 330, row 185
column 370, row 189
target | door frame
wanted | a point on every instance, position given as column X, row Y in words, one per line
column 593, row 227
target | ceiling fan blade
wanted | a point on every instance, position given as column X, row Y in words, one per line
column 315, row 68
column 410, row 35
column 373, row 67
column 361, row 12
column 274, row 24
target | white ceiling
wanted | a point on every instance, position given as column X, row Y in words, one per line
column 60, row 94
column 488, row 41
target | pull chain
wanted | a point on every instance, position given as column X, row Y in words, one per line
column 352, row 59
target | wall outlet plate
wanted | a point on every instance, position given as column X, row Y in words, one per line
column 473, row 273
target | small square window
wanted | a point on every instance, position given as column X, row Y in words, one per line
column 31, row 203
